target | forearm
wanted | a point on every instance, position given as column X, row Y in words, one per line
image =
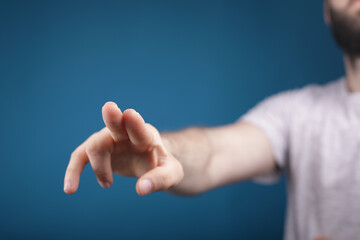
column 193, row 148
column 212, row 157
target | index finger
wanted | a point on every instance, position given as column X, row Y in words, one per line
column 74, row 169
column 112, row 116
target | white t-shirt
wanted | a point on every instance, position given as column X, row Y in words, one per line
column 315, row 136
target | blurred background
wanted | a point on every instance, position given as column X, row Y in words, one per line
column 178, row 63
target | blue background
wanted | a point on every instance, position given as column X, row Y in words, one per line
column 179, row 63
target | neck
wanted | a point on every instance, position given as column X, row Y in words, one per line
column 352, row 67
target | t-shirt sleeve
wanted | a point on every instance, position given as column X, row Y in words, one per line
column 272, row 115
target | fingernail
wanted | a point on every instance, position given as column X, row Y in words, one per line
column 67, row 185
column 145, row 186
column 104, row 184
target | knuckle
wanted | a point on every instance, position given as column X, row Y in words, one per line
column 93, row 148
column 70, row 170
column 75, row 154
column 99, row 145
column 176, row 172
column 152, row 129
column 150, row 126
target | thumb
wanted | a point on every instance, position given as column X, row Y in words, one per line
column 112, row 117
column 160, row 178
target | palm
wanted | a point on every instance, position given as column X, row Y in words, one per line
column 128, row 161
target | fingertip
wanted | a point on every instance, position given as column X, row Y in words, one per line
column 69, row 188
column 130, row 112
column 110, row 104
column 144, row 187
column 112, row 116
column 111, row 109
column 105, row 184
column 137, row 188
column 129, row 116
column 133, row 119
column 69, row 191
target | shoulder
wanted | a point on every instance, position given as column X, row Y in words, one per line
column 316, row 95
column 316, row 91
column 310, row 94
column 297, row 101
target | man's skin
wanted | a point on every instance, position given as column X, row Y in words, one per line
column 186, row 162
column 190, row 161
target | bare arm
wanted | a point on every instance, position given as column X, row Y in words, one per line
column 186, row 162
column 212, row 157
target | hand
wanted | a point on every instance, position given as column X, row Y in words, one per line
column 129, row 147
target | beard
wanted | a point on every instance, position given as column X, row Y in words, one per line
column 346, row 31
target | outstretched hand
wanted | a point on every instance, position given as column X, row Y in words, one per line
column 127, row 146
